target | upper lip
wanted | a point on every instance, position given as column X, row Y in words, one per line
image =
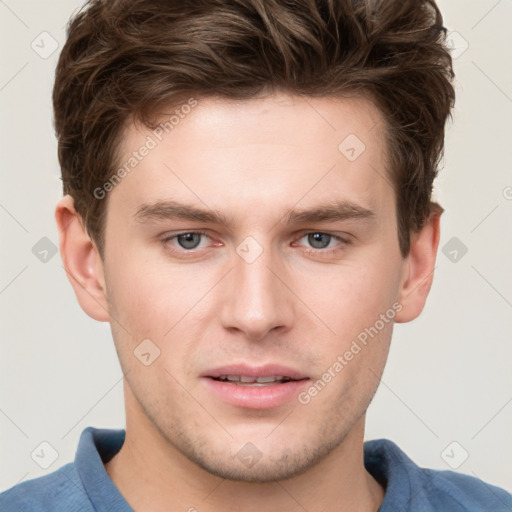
column 246, row 370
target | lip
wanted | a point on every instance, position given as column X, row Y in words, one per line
column 255, row 397
column 266, row 370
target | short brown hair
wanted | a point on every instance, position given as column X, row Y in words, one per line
column 127, row 60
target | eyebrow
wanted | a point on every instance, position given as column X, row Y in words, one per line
column 333, row 211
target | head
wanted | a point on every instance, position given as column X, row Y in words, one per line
column 297, row 145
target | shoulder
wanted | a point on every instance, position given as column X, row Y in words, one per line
column 60, row 490
column 414, row 488
column 464, row 492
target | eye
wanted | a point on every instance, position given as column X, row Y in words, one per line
column 319, row 242
column 188, row 241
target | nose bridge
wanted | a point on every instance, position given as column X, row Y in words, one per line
column 255, row 300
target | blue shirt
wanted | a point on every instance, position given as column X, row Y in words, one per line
column 84, row 485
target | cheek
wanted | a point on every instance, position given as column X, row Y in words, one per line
column 165, row 304
column 355, row 347
column 351, row 296
column 150, row 298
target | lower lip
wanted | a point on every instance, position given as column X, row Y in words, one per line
column 256, row 397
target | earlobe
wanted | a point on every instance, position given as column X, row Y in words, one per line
column 419, row 269
column 82, row 261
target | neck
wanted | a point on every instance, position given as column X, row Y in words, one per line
column 154, row 476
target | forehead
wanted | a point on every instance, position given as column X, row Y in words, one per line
column 275, row 150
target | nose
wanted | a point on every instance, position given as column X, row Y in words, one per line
column 255, row 300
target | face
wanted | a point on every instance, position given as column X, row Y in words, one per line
column 253, row 251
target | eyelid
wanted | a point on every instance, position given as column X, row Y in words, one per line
column 167, row 236
column 301, row 234
column 343, row 240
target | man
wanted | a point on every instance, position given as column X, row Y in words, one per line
column 248, row 203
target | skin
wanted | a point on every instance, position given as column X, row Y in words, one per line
column 296, row 304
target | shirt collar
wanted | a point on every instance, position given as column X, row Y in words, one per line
column 382, row 458
column 96, row 447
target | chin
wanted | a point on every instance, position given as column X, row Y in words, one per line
column 263, row 471
column 252, row 465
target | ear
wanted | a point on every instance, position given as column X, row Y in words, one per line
column 82, row 261
column 419, row 269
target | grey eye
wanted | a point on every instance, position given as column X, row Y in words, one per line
column 319, row 240
column 189, row 240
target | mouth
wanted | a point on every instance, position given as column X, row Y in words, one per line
column 249, row 375
column 244, row 380
column 254, row 387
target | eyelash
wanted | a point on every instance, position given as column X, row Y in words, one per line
column 308, row 250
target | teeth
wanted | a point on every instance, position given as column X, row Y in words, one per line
column 245, row 381
column 268, row 379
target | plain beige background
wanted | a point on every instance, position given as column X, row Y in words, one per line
column 446, row 394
